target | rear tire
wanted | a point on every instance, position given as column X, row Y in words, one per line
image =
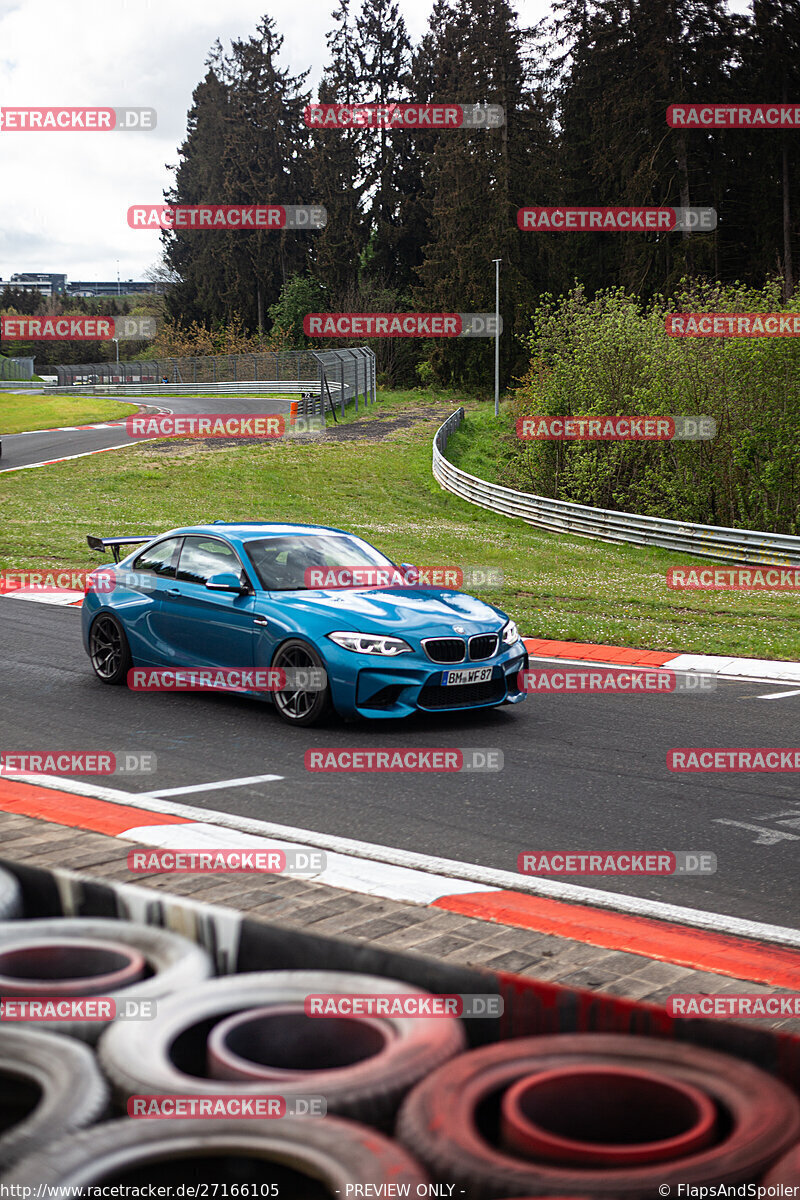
column 300, row 707
column 109, row 651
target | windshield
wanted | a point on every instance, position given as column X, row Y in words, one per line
column 282, row 563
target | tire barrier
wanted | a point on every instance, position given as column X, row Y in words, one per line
column 283, row 1043
column 605, row 1117
column 296, row 1154
column 49, row 1086
column 10, row 896
column 63, row 943
column 368, row 1066
column 68, row 967
column 787, row 1170
column 451, row 1120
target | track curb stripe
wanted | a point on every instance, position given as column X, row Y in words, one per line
column 76, row 811
column 696, row 948
column 707, row 949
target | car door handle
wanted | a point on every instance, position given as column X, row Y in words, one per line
column 260, row 621
column 173, row 591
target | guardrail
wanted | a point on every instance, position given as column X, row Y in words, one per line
column 607, row 525
column 251, row 387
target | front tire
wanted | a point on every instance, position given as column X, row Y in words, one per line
column 299, row 707
column 109, row 651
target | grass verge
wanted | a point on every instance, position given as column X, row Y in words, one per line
column 381, row 487
column 20, row 413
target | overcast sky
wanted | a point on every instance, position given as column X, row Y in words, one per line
column 64, row 195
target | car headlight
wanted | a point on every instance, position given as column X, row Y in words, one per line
column 510, row 634
column 371, row 643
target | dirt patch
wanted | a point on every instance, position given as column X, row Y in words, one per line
column 375, row 429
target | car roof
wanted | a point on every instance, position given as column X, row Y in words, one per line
column 244, row 531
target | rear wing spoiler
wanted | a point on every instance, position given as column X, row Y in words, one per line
column 96, row 543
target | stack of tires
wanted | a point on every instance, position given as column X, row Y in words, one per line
column 410, row 1110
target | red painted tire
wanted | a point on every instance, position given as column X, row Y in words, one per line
column 787, row 1170
column 68, row 967
column 302, row 1156
column 604, row 1117
column 450, row 1120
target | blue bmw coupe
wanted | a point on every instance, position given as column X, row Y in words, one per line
column 247, row 595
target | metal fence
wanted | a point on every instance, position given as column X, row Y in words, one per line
column 16, row 368
column 606, row 525
column 335, row 375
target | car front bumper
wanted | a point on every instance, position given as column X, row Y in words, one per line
column 392, row 688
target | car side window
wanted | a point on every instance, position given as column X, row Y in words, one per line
column 202, row 557
column 160, row 558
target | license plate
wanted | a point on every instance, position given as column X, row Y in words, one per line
column 466, row 675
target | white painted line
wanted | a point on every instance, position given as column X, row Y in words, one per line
column 766, row 837
column 690, row 664
column 341, row 870
column 770, row 670
column 211, row 787
column 779, row 695
column 64, row 597
column 449, row 868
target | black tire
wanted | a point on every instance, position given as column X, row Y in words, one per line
column 300, row 708
column 10, row 896
column 300, row 1152
column 168, row 1055
column 72, row 1092
column 445, row 1121
column 109, row 652
column 174, row 961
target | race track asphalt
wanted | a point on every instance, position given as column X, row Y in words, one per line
column 30, row 449
column 581, row 772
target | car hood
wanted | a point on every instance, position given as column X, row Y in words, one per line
column 425, row 612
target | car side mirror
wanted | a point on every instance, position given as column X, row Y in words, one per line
column 225, row 581
column 410, row 571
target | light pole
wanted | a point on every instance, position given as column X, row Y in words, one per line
column 497, row 262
